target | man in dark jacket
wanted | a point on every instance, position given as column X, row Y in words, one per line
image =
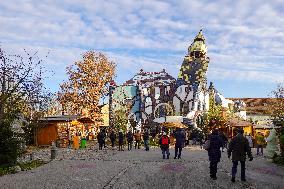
column 129, row 139
column 180, row 139
column 120, row 140
column 239, row 147
column 164, row 144
column 146, row 139
column 100, row 138
column 112, row 137
column 214, row 153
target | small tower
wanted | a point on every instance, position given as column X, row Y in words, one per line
column 195, row 63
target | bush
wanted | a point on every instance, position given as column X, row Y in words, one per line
column 278, row 159
column 10, row 144
column 281, row 141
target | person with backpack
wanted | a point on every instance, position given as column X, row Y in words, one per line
column 239, row 148
column 214, row 152
column 129, row 140
column 165, row 144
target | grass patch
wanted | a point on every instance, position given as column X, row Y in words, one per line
column 6, row 170
column 24, row 167
column 31, row 164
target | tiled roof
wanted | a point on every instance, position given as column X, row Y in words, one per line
column 257, row 105
column 151, row 78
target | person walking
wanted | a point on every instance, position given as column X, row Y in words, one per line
column 249, row 138
column 239, row 148
column 76, row 140
column 137, row 137
column 260, row 142
column 180, row 139
column 104, row 138
column 186, row 138
column 165, row 144
column 146, row 139
column 120, row 140
column 129, row 139
column 100, row 138
column 112, row 138
column 214, row 152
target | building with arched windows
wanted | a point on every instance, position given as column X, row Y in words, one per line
column 154, row 97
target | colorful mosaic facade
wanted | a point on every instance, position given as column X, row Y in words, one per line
column 154, row 96
column 195, row 63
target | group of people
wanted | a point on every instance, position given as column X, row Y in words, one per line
column 238, row 149
column 164, row 142
column 129, row 136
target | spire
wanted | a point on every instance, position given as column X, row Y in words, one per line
column 198, row 45
column 199, row 37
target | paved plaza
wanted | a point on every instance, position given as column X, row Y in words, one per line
column 90, row 168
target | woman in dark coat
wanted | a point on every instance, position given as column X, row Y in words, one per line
column 120, row 140
column 112, row 138
column 214, row 153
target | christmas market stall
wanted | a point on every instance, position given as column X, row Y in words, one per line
column 54, row 128
column 63, row 128
column 236, row 123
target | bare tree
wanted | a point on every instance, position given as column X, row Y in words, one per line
column 21, row 84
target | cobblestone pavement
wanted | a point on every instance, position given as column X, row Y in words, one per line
column 90, row 168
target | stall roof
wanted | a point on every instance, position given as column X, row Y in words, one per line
column 235, row 122
column 60, row 118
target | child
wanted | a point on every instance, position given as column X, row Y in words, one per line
column 165, row 142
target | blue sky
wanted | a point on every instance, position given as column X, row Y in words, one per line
column 245, row 38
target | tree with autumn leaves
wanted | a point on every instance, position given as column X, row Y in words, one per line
column 87, row 83
column 277, row 114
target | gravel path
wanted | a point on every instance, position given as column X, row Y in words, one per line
column 90, row 168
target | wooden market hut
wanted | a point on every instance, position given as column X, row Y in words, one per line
column 236, row 123
column 48, row 130
column 58, row 128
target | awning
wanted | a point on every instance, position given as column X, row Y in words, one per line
column 235, row 122
column 173, row 125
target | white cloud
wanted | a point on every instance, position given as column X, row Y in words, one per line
column 244, row 36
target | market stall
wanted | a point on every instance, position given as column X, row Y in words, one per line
column 236, row 123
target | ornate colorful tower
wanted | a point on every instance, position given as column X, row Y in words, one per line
column 195, row 64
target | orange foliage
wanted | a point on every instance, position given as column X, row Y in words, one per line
column 87, row 83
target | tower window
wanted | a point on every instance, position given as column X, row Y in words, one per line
column 196, row 54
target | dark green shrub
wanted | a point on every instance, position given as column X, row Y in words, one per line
column 281, row 141
column 10, row 144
